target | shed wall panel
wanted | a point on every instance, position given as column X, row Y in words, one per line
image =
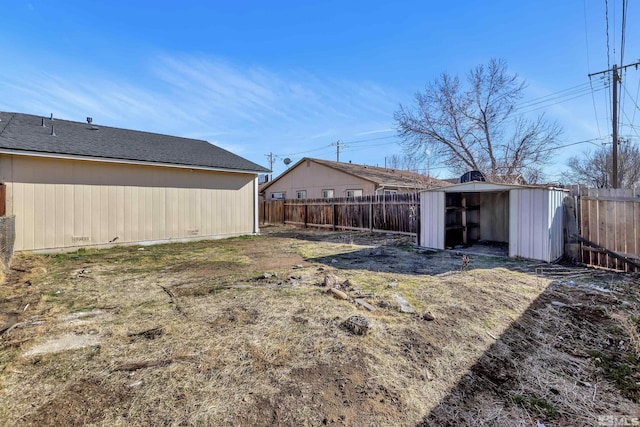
column 556, row 224
column 536, row 224
column 527, row 224
column 432, row 219
column 67, row 203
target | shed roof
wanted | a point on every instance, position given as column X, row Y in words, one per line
column 480, row 187
column 24, row 134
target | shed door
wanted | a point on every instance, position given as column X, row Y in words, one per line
column 432, row 213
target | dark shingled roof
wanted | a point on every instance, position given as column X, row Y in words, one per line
column 24, row 132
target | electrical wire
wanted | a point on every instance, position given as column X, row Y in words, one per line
column 630, row 121
column 584, row 87
column 571, row 144
column 625, row 5
column 636, row 103
column 595, row 110
column 606, row 17
column 586, row 38
column 371, row 139
column 560, row 101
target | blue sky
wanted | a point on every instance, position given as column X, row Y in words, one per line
column 291, row 78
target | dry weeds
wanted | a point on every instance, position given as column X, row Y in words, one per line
column 197, row 334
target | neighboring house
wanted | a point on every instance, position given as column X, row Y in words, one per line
column 72, row 184
column 315, row 179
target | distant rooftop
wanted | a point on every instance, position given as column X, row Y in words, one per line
column 380, row 176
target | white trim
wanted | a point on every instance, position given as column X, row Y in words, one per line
column 111, row 160
column 256, row 219
column 482, row 186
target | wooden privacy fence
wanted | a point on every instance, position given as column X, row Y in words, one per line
column 397, row 213
column 610, row 228
column 271, row 212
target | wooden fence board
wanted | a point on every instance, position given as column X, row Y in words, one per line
column 271, row 212
column 391, row 213
column 611, row 219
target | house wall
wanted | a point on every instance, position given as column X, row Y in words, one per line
column 68, row 203
column 314, row 178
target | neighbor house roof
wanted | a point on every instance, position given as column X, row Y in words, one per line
column 380, row 176
column 25, row 134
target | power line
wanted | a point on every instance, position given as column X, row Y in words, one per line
column 595, row 110
column 586, row 38
column 625, row 5
column 565, row 94
column 371, row 139
column 559, row 101
column 307, row 151
column 571, row 144
column 636, row 103
column 606, row 16
column 558, row 94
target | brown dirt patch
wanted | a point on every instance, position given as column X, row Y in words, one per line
column 197, row 334
column 78, row 404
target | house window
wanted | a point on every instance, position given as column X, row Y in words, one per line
column 354, row 193
column 302, row 194
column 327, row 194
column 388, row 192
column 279, row 195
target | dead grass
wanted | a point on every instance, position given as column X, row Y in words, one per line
column 197, row 334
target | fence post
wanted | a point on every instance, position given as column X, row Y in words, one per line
column 334, row 219
column 370, row 214
column 306, row 213
column 418, row 223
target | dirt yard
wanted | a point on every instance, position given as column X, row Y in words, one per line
column 244, row 331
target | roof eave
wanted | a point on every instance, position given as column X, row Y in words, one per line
column 122, row 161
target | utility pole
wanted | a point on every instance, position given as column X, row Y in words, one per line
column 271, row 160
column 614, row 119
column 614, row 116
column 338, row 144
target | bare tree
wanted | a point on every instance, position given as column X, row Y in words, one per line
column 404, row 162
column 594, row 168
column 476, row 126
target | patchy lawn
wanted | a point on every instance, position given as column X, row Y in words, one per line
column 243, row 332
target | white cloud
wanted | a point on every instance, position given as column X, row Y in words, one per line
column 372, row 132
column 248, row 110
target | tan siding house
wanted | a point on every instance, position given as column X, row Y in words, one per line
column 68, row 198
column 315, row 178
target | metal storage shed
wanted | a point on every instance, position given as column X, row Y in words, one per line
column 527, row 218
